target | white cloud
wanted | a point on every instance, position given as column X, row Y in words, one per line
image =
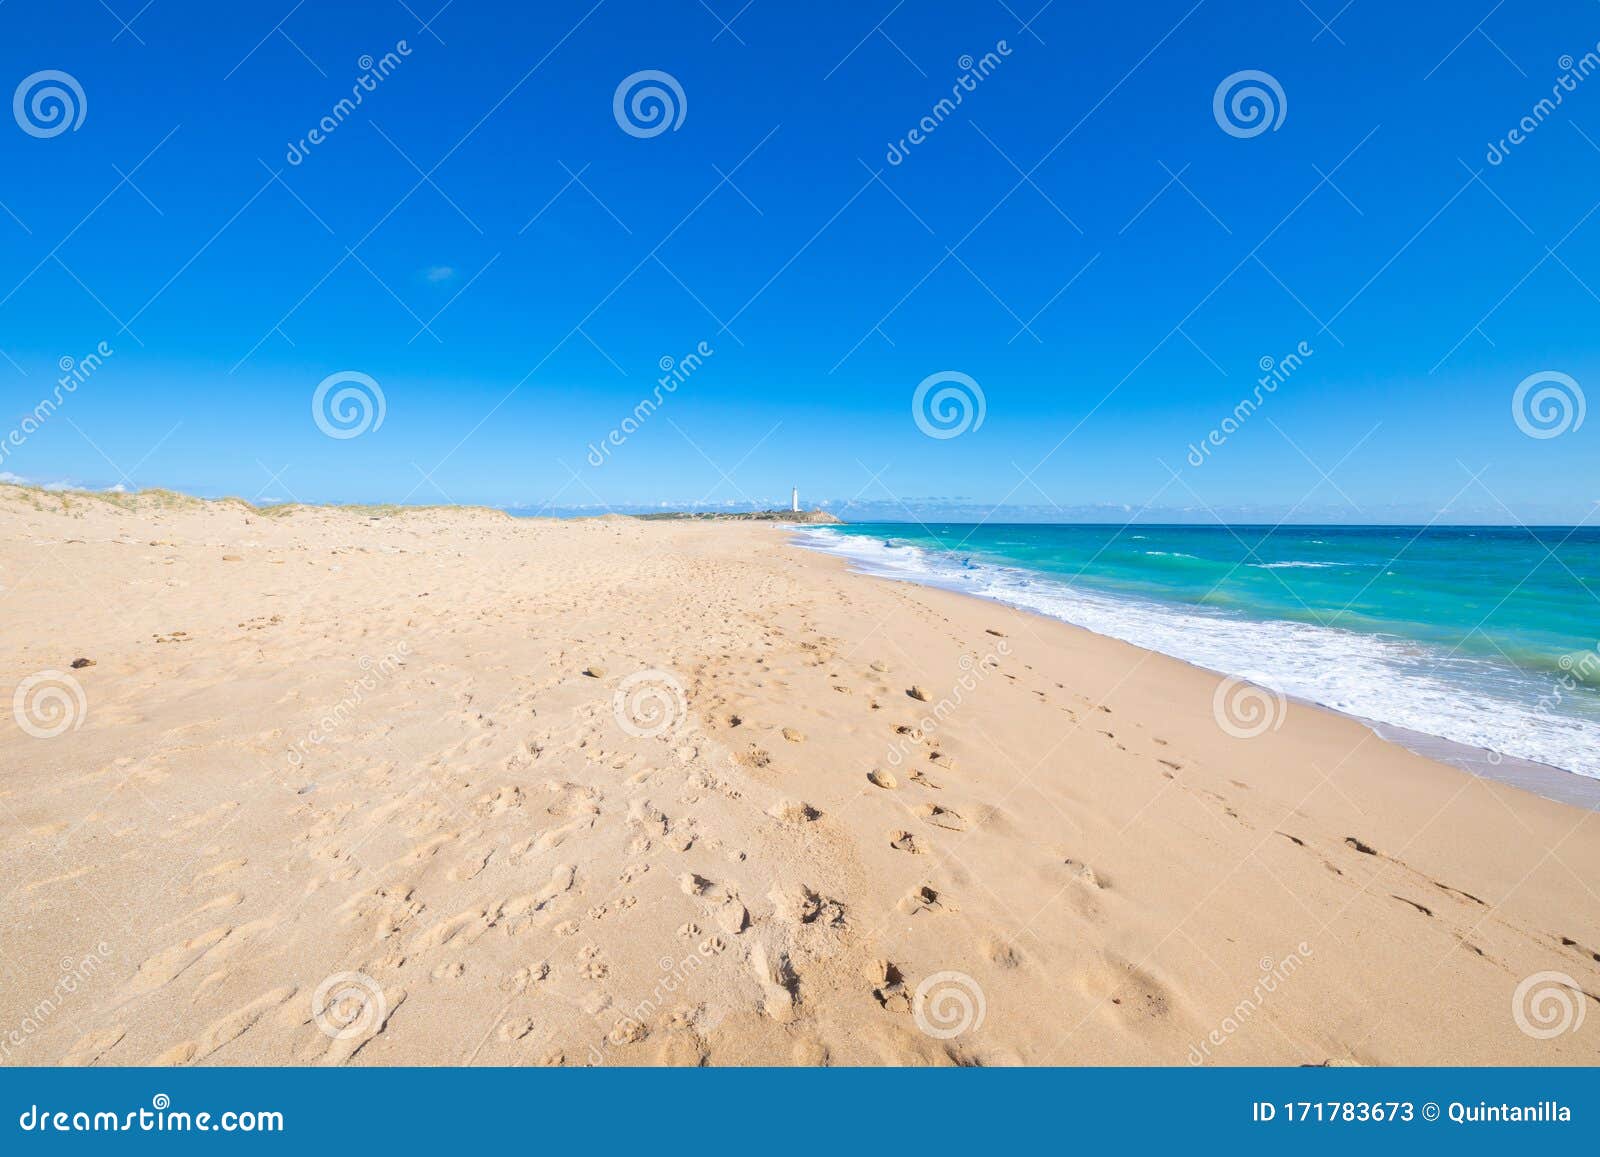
column 438, row 273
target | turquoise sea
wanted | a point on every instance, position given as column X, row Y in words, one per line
column 1485, row 636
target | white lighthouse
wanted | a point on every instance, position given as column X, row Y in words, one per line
column 794, row 499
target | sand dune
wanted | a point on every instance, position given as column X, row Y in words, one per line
column 445, row 787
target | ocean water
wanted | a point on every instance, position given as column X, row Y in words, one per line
column 1485, row 636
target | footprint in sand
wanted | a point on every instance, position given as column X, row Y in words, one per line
column 371, row 1022
column 519, row 980
column 942, row 817
column 226, row 1030
column 518, row 910
column 778, row 982
column 1569, row 942
column 793, row 812
column 495, row 803
column 797, row 904
column 515, row 1029
column 556, row 836
column 921, row 899
column 469, row 868
column 905, row 842
column 1419, row 907
column 464, row 927
column 1085, row 873
column 888, row 986
column 168, row 965
column 93, row 1046
column 1128, row 992
column 810, row 1052
column 227, row 900
column 999, row 952
column 220, row 870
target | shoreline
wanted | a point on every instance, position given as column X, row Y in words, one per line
column 1546, row 780
column 628, row 792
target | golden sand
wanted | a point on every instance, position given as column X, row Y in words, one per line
column 446, row 787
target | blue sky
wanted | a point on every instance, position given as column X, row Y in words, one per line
column 1080, row 237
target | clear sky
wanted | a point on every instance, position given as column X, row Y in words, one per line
column 1081, row 236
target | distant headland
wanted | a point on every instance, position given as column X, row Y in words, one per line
column 814, row 516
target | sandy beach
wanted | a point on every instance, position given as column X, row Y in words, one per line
column 447, row 787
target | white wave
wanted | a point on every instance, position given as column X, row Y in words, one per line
column 1167, row 554
column 1376, row 677
column 1292, row 565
